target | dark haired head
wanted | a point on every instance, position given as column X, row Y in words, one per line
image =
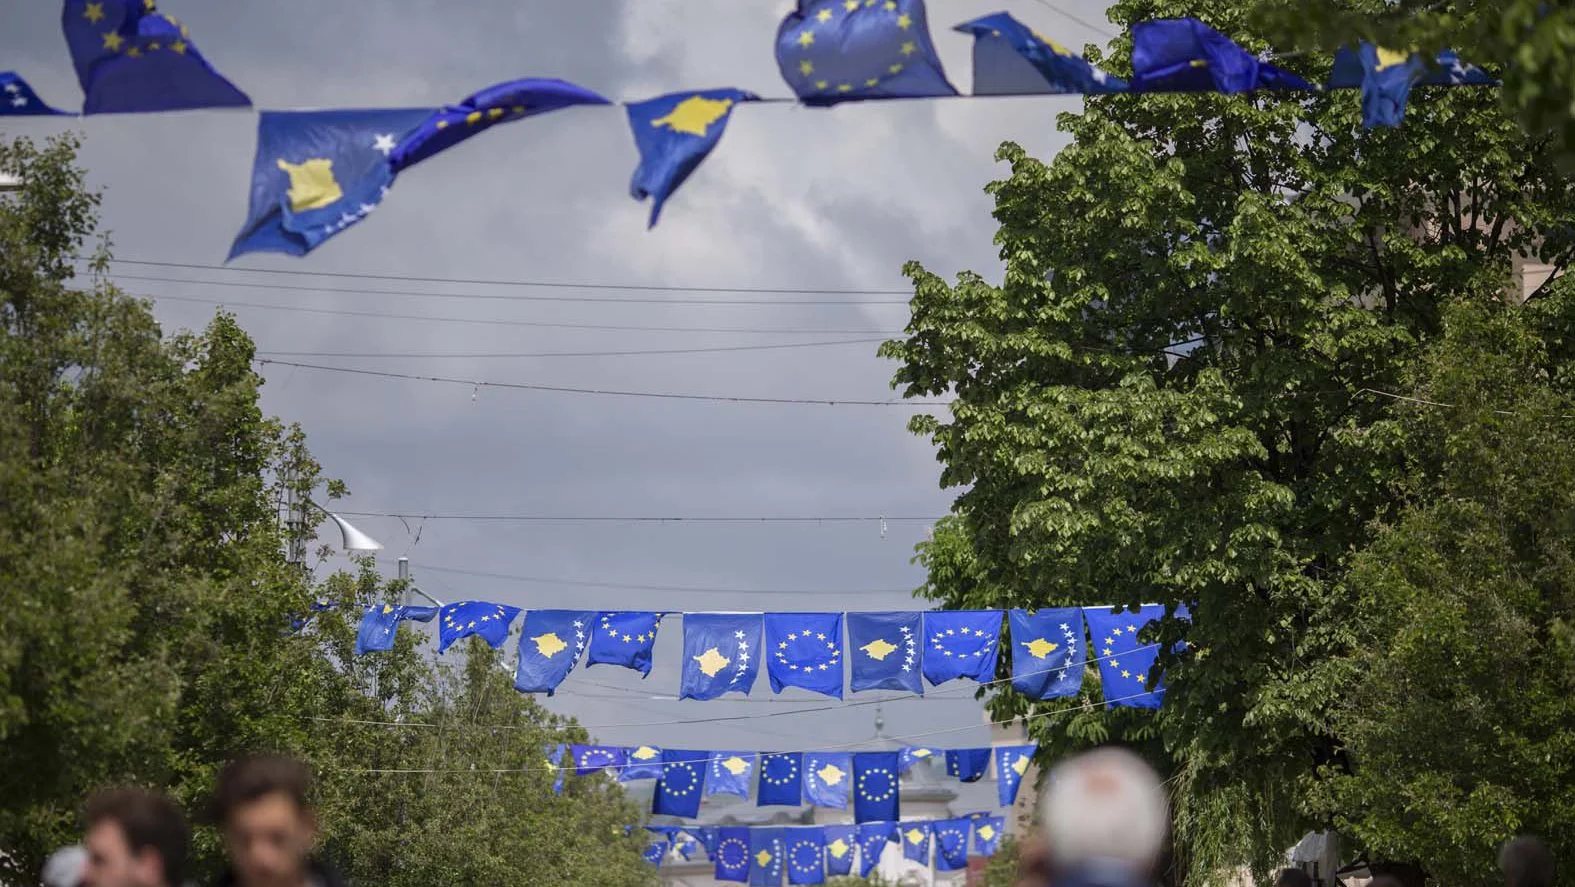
column 248, row 779
column 1385, row 881
column 149, row 821
column 1292, row 878
column 1527, row 862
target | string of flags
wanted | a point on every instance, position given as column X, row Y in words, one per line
column 821, row 652
column 317, row 173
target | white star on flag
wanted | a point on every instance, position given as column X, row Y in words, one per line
column 384, row 143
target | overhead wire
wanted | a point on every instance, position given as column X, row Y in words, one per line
column 1103, row 32
column 583, row 583
column 457, row 355
column 695, row 519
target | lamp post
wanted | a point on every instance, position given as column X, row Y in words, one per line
column 410, row 587
column 10, row 182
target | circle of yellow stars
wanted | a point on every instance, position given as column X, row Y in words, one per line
column 826, row 17
column 794, row 856
column 792, row 773
column 136, row 46
column 1109, row 650
column 813, row 637
column 864, row 779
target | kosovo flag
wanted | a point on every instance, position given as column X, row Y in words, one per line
column 1011, row 765
column 1010, row 58
column 17, row 98
column 805, row 651
column 381, row 622
column 732, row 854
column 500, row 103
column 840, row 843
column 884, row 650
column 555, row 765
column 827, row 776
column 875, row 787
column 967, row 764
column 873, row 838
column 832, row 51
column 951, row 844
column 1386, row 77
column 721, row 654
column 768, row 847
column 806, row 855
column 624, row 639
column 673, row 134
column 987, row 835
column 656, row 850
column 1047, row 652
column 686, row 848
column 730, row 771
column 551, row 641
column 488, row 621
column 590, row 759
column 641, row 762
column 1126, row 663
column 316, row 174
column 909, row 755
column 781, row 779
column 1185, row 55
column 960, row 644
column 131, row 57
column 915, row 841
column 682, row 785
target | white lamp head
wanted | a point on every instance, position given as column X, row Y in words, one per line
column 353, row 539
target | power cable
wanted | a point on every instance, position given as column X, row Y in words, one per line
column 481, row 355
column 645, row 519
column 1108, row 35
column 582, row 583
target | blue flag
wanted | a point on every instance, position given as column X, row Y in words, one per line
column 841, row 841
column 915, row 841
column 913, row 754
column 673, row 134
column 827, row 776
column 1386, row 77
column 500, row 103
column 485, row 620
column 987, row 834
column 873, row 838
column 590, row 759
column 833, row 51
column 721, row 654
column 624, row 639
column 686, row 848
column 767, row 848
column 707, row 838
column 781, row 779
column 555, row 766
column 641, row 762
column 967, row 764
column 131, row 57
column 806, row 855
column 316, row 174
column 805, row 651
column 1185, row 55
column 875, row 784
column 961, row 644
column 730, row 772
column 551, row 641
column 656, row 850
column 682, row 785
column 1125, row 662
column 1011, row 765
column 381, row 622
column 1010, row 58
column 884, row 650
column 1047, row 652
column 732, row 854
column 17, row 98
column 951, row 844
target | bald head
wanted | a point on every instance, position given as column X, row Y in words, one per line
column 1105, row 807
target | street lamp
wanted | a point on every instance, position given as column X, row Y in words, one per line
column 10, row 182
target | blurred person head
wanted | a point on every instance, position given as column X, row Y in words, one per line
column 1293, row 877
column 1105, row 810
column 1385, row 881
column 65, row 867
column 260, row 806
column 1526, row 862
column 134, row 838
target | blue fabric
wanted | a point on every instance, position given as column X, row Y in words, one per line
column 1185, row 55
column 131, row 57
column 951, row 844
column 806, row 855
column 766, row 870
column 381, row 623
column 827, row 776
column 17, row 98
column 732, row 854
column 781, row 779
column 499, row 103
column 484, row 619
column 707, row 837
column 624, row 639
column 1386, row 80
column 1446, row 70
column 555, row 764
column 551, row 642
column 967, row 764
column 875, row 787
column 1125, row 662
column 841, row 842
column 721, row 654
column 643, row 762
column 682, row 785
column 1048, row 657
column 1011, row 763
column 730, row 772
column 1010, row 58
column 915, row 841
column 655, row 851
column 832, row 51
column 590, row 759
column 873, row 838
column 961, row 644
column 913, row 754
column 987, row 834
column 673, row 134
column 805, row 651
column 884, row 651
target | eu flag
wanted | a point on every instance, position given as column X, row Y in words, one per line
column 673, row 134
column 767, row 848
column 17, row 98
column 317, row 173
column 721, row 654
column 131, row 57
column 827, row 776
column 656, row 850
column 589, row 759
column 624, row 639
column 1125, row 662
column 832, row 51
column 873, row 838
column 884, row 650
column 732, row 854
column 485, row 620
column 781, row 779
column 500, row 103
column 1386, row 77
column 1047, row 652
column 806, row 855
column 1010, row 58
column 555, row 766
column 915, row 841
column 951, row 844
column 840, row 843
column 805, row 651
column 1011, row 765
column 987, row 834
column 1185, row 55
column 641, row 762
column 909, row 755
column 967, row 764
column 960, row 644
column 682, row 785
column 875, row 786
column 381, row 623
column 686, row 847
column 551, row 641
column 730, row 771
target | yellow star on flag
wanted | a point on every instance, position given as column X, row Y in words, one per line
column 823, row 16
column 806, row 39
column 910, row 48
column 93, row 12
column 112, row 41
column 712, row 662
column 905, row 21
column 806, row 67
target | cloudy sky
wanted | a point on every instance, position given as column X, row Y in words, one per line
column 793, row 197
